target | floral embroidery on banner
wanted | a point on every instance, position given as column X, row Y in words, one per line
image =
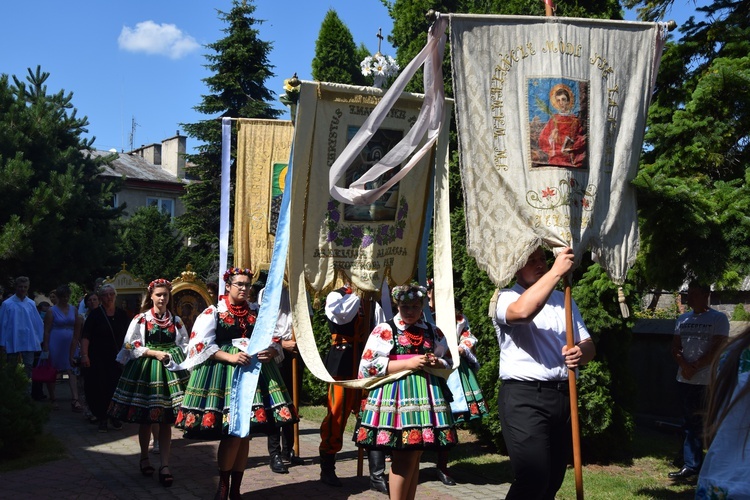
column 358, row 235
column 569, row 193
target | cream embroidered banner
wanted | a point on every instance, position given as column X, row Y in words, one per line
column 333, row 240
column 551, row 114
column 263, row 150
column 365, row 243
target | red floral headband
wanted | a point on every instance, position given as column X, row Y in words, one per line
column 233, row 271
column 159, row 282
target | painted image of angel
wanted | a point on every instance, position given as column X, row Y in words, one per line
column 562, row 139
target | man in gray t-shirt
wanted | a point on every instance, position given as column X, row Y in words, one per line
column 698, row 336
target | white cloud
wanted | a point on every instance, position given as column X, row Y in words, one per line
column 160, row 39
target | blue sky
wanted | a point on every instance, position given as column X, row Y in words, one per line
column 144, row 60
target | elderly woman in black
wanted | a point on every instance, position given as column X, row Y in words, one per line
column 102, row 337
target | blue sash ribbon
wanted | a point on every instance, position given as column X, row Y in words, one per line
column 245, row 378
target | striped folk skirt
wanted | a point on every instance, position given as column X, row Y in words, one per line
column 205, row 408
column 408, row 414
column 147, row 392
column 472, row 393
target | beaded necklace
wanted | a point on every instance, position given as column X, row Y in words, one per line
column 414, row 339
column 240, row 312
column 162, row 322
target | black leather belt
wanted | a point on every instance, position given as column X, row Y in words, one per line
column 561, row 386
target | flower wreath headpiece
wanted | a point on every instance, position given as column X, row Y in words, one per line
column 159, row 282
column 233, row 271
column 409, row 292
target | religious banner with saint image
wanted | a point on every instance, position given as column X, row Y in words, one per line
column 551, row 114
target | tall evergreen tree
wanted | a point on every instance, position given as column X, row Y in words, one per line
column 237, row 87
column 335, row 53
column 54, row 213
column 693, row 187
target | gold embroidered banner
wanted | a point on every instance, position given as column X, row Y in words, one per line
column 263, row 149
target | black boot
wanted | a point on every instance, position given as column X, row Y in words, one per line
column 222, row 492
column 376, row 462
column 328, row 470
column 234, row 490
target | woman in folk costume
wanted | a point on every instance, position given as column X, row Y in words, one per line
column 212, row 357
column 410, row 414
column 149, row 392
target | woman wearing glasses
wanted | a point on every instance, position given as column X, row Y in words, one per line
column 212, row 358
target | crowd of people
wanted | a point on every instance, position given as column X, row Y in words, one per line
column 150, row 371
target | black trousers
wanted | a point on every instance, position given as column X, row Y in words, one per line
column 535, row 419
column 286, row 432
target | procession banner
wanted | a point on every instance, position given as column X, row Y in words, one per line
column 362, row 243
column 551, row 115
column 263, row 149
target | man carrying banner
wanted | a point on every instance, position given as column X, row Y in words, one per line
column 534, row 362
column 345, row 317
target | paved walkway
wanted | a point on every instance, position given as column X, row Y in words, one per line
column 105, row 466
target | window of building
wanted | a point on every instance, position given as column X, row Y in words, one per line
column 165, row 205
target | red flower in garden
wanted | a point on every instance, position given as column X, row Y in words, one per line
column 209, row 419
column 260, row 415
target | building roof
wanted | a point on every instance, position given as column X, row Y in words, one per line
column 135, row 167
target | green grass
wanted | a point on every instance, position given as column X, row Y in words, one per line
column 47, row 448
column 642, row 476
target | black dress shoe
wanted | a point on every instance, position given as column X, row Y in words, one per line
column 291, row 458
column 683, row 473
column 277, row 465
column 445, row 478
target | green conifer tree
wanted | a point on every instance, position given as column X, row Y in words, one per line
column 335, row 53
column 237, row 88
column 55, row 209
